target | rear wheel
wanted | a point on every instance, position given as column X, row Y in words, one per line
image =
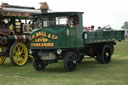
column 104, row 56
column 38, row 64
column 18, row 54
column 112, row 48
column 2, row 59
column 70, row 61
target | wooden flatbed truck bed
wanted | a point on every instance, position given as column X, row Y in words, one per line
column 103, row 36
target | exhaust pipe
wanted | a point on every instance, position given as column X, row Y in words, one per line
column 44, row 7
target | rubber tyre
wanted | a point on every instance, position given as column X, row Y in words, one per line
column 70, row 61
column 105, row 56
column 112, row 48
column 18, row 55
column 2, row 59
column 38, row 64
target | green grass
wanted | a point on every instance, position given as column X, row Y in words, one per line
column 89, row 72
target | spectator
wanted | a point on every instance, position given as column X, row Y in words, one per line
column 85, row 29
column 92, row 28
column 89, row 28
column 99, row 29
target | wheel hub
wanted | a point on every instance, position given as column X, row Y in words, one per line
column 107, row 54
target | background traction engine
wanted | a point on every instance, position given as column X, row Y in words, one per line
column 15, row 28
column 14, row 46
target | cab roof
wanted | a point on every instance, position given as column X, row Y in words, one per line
column 59, row 13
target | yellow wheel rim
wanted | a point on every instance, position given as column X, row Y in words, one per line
column 20, row 54
column 2, row 59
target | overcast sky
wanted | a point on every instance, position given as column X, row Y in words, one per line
column 96, row 12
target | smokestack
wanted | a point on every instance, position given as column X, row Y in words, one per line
column 44, row 7
column 4, row 5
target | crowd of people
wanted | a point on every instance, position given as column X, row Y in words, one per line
column 89, row 28
column 92, row 28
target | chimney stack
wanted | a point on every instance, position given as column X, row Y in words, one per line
column 4, row 5
column 44, row 7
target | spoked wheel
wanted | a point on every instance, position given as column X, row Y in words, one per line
column 38, row 64
column 70, row 61
column 105, row 56
column 2, row 59
column 18, row 54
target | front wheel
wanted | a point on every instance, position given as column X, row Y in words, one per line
column 18, row 54
column 38, row 64
column 70, row 61
column 2, row 59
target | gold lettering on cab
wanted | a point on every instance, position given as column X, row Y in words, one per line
column 42, row 44
column 42, row 39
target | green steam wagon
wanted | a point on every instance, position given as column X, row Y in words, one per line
column 60, row 35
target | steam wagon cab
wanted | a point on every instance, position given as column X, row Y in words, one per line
column 15, row 27
column 60, row 35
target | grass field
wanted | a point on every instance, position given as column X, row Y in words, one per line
column 89, row 72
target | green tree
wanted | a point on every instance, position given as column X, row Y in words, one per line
column 125, row 26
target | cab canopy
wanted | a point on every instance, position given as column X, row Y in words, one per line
column 11, row 10
column 53, row 19
column 57, row 13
